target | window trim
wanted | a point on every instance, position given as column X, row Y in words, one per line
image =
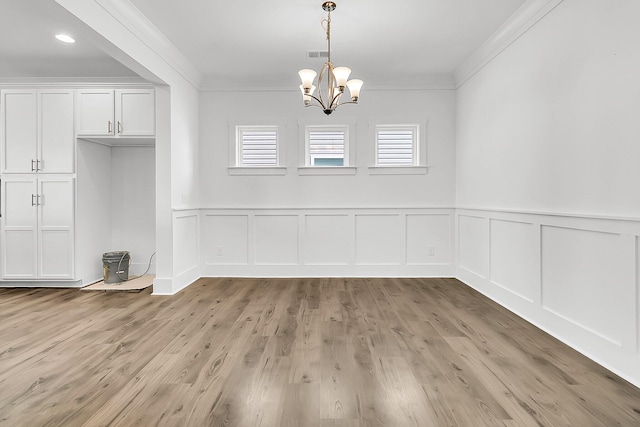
column 348, row 168
column 326, row 128
column 234, row 166
column 240, row 130
column 419, row 163
column 415, row 146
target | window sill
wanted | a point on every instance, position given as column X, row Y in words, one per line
column 264, row 170
column 327, row 170
column 398, row 170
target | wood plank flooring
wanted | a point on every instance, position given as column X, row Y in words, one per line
column 293, row 352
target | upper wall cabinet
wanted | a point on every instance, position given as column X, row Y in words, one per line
column 37, row 131
column 117, row 113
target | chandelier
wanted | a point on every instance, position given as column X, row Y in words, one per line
column 336, row 77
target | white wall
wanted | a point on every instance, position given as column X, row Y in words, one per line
column 93, row 209
column 551, row 124
column 360, row 224
column 436, row 108
column 132, row 205
column 547, row 153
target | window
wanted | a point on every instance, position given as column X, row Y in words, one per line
column 327, row 146
column 397, row 145
column 257, row 146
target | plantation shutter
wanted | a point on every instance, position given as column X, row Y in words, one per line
column 326, row 147
column 396, row 146
column 258, row 147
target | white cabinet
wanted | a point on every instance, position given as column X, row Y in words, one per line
column 116, row 113
column 95, row 112
column 37, row 131
column 37, row 226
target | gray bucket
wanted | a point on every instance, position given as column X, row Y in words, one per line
column 115, row 266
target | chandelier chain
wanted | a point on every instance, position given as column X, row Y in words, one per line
column 326, row 24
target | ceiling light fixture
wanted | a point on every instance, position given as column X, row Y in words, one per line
column 336, row 77
column 65, row 38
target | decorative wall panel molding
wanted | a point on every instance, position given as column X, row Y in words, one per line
column 473, row 242
column 514, row 258
column 360, row 242
column 276, row 239
column 328, row 239
column 226, row 239
column 637, row 309
column 575, row 277
column 379, row 239
column 583, row 279
column 186, row 235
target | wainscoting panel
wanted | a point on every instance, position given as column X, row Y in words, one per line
column 186, row 244
column 473, row 244
column 583, row 281
column 379, row 239
column 429, row 239
column 327, row 239
column 515, row 258
column 576, row 277
column 186, row 226
column 350, row 242
column 226, row 239
column 276, row 239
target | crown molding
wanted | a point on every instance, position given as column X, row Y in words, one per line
column 139, row 25
column 519, row 23
column 72, row 82
column 428, row 82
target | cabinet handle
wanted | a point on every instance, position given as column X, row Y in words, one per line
column 33, row 198
column 119, row 127
column 38, row 166
column 109, row 126
column 33, row 166
column 38, row 202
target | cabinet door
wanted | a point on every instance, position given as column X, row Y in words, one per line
column 19, row 131
column 56, row 141
column 135, row 112
column 55, row 228
column 95, row 112
column 19, row 228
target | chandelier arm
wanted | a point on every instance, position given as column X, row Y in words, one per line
column 346, row 102
column 314, row 105
column 320, row 83
column 336, row 106
column 319, row 101
column 336, row 98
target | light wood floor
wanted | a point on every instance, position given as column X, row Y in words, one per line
column 293, row 352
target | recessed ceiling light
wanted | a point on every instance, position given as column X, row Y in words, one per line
column 65, row 38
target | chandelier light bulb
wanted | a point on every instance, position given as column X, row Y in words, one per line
column 307, row 77
column 354, row 86
column 306, row 97
column 342, row 75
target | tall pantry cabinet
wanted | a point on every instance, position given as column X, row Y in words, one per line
column 37, row 184
column 55, row 199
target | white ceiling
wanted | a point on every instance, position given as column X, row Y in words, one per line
column 28, row 48
column 249, row 42
column 263, row 43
